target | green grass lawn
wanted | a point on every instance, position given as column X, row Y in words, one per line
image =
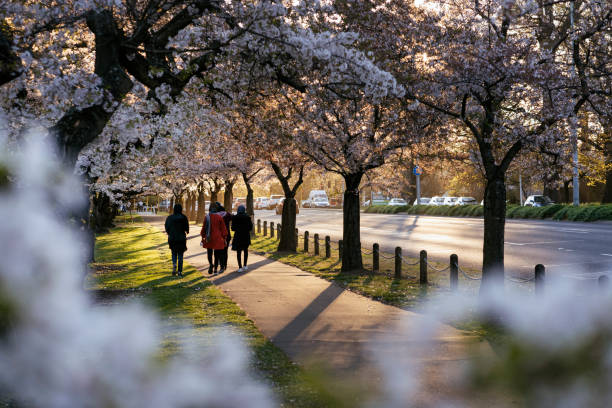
column 133, row 261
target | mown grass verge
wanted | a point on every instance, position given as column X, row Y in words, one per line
column 133, row 262
column 560, row 212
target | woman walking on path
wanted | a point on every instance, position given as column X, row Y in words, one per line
column 242, row 226
column 214, row 234
column 177, row 228
column 227, row 219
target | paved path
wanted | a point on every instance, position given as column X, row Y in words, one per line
column 312, row 319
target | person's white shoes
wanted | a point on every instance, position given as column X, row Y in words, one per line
column 245, row 268
column 240, row 269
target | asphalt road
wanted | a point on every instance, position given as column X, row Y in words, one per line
column 574, row 249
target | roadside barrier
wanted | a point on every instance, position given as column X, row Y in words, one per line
column 425, row 266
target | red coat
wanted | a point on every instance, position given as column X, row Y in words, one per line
column 218, row 232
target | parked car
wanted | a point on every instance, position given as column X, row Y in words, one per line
column 320, row 202
column 273, row 200
column 466, row 201
column 538, row 201
column 397, row 201
column 279, row 207
column 336, row 202
column 436, row 200
column 261, row 203
column 450, row 200
column 306, row 203
column 424, row 201
column 238, row 201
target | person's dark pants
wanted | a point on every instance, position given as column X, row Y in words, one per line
column 246, row 257
column 218, row 254
column 177, row 257
column 223, row 258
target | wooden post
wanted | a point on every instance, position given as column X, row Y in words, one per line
column 454, row 272
column 398, row 263
column 265, row 228
column 375, row 258
column 316, row 244
column 271, row 229
column 423, row 267
column 327, row 247
column 258, row 226
column 540, row 274
column 340, row 248
column 306, row 235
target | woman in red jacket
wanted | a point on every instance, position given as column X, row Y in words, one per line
column 214, row 235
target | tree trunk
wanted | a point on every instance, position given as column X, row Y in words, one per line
column 249, row 198
column 494, row 228
column 607, row 195
column 566, row 192
column 102, row 214
column 351, row 236
column 78, row 127
column 288, row 240
column 10, row 63
column 201, row 205
column 228, row 195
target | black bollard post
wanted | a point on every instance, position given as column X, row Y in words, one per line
column 454, row 272
column 398, row 263
column 340, row 248
column 265, row 228
column 271, row 229
column 316, row 244
column 540, row 274
column 306, row 236
column 423, row 266
column 327, row 247
column 258, row 226
column 375, row 258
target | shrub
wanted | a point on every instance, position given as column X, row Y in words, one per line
column 549, row 210
column 603, row 212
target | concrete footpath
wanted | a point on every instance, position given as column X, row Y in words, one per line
column 313, row 320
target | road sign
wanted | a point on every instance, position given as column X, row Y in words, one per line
column 417, row 171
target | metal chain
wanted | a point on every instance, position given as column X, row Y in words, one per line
column 410, row 263
column 436, row 269
column 365, row 251
column 468, row 276
column 386, row 257
column 520, row 280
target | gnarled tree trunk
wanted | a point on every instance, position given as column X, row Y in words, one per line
column 201, row 205
column 288, row 240
column 351, row 235
column 102, row 214
column 494, row 229
column 228, row 195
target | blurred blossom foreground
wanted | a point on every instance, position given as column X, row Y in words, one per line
column 58, row 351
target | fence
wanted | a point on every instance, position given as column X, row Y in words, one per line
column 398, row 260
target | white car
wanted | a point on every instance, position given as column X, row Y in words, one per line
column 397, row 201
column 466, row 201
column 274, row 199
column 437, row 200
column 538, row 201
column 319, row 202
column 450, row 201
column 424, row 201
column 261, row 203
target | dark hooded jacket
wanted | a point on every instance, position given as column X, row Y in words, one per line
column 242, row 225
column 177, row 227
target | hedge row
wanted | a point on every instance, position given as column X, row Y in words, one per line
column 587, row 212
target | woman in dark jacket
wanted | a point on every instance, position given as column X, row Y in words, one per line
column 242, row 226
column 177, row 228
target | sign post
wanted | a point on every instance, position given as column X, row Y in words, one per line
column 417, row 171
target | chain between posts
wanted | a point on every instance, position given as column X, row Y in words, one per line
column 365, row 251
column 467, row 276
column 436, row 269
column 410, row 263
column 520, row 280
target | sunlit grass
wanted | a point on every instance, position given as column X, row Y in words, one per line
column 133, row 261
